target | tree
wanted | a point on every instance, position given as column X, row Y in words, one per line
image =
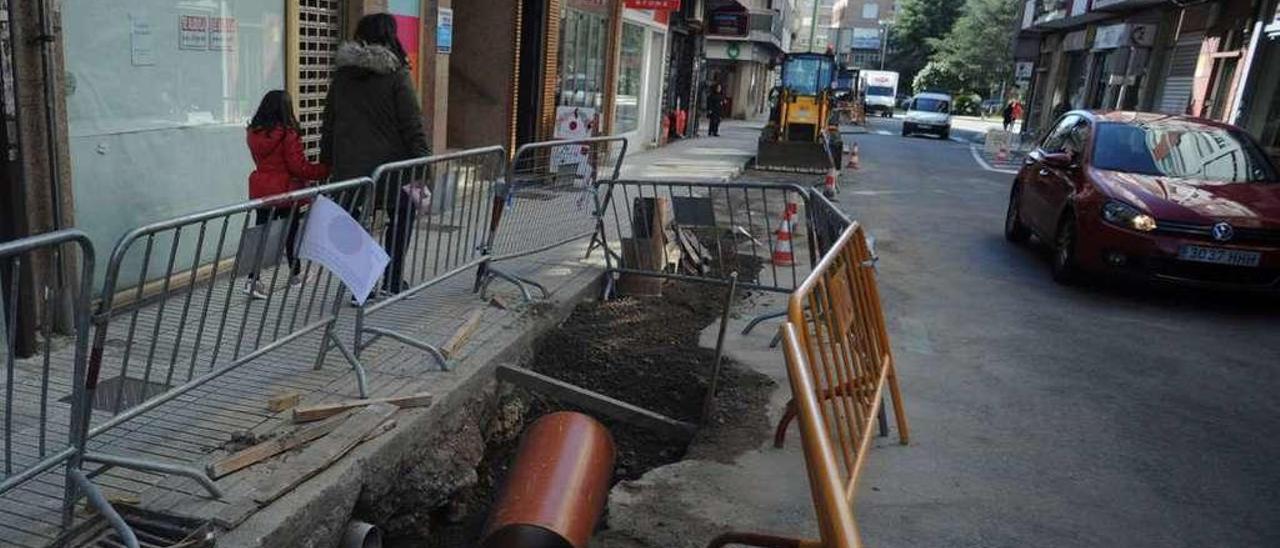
column 937, row 76
column 979, row 48
column 918, row 28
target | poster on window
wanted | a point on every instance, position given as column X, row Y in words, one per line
column 193, row 32
column 222, row 33
column 573, row 123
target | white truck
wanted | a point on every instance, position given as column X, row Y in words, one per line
column 880, row 88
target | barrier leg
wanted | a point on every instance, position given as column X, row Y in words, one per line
column 900, row 415
column 356, row 366
column 428, row 348
column 520, row 283
column 760, row 319
column 104, row 508
column 153, row 466
column 780, row 433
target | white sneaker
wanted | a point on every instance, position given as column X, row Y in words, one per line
column 255, row 290
column 298, row 280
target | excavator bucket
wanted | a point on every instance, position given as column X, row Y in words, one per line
column 795, row 157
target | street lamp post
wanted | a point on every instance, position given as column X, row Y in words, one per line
column 884, row 41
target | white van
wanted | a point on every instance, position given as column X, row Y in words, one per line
column 928, row 113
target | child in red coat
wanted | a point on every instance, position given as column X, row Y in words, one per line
column 276, row 146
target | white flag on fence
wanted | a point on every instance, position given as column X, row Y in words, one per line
column 337, row 241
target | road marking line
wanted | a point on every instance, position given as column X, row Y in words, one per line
column 883, row 132
column 973, row 149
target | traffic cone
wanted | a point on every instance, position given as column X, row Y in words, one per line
column 783, row 253
column 854, row 162
column 829, row 183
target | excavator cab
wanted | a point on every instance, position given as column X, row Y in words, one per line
column 800, row 136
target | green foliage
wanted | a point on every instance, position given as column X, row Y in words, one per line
column 918, row 28
column 967, row 104
column 979, row 48
column 938, row 77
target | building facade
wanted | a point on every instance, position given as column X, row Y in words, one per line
column 862, row 31
column 1204, row 59
column 814, row 25
column 743, row 47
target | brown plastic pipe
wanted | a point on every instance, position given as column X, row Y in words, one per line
column 557, row 487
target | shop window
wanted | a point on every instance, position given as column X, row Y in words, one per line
column 630, row 79
column 142, row 65
column 584, row 38
column 870, row 10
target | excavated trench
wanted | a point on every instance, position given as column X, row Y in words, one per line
column 641, row 350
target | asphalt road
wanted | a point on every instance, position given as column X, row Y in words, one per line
column 1042, row 415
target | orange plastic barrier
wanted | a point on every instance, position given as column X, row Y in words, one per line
column 838, row 363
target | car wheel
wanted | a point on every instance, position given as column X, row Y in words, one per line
column 905, row 131
column 1064, row 251
column 946, row 134
column 1014, row 230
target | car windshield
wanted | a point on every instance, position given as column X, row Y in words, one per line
column 807, row 75
column 885, row 91
column 1180, row 150
column 931, row 105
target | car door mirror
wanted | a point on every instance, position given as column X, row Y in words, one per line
column 1060, row 160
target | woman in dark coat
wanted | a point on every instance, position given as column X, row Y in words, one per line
column 372, row 117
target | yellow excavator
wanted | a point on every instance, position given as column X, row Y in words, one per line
column 801, row 135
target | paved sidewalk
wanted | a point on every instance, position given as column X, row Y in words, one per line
column 193, row 429
column 701, row 158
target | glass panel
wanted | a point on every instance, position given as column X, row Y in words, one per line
column 630, row 79
column 1178, row 149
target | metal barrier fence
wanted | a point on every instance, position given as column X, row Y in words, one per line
column 549, row 199
column 702, row 232
column 206, row 294
column 430, row 241
column 41, row 430
column 839, row 363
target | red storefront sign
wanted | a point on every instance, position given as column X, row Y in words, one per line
column 660, row 5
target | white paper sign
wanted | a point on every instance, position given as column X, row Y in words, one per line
column 142, row 44
column 337, row 241
column 573, row 123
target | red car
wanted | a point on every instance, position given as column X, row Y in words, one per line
column 1159, row 197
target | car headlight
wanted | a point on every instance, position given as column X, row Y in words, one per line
column 1127, row 216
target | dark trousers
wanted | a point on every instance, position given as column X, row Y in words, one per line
column 395, row 239
column 715, row 123
column 266, row 214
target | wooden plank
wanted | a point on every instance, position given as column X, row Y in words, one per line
column 463, row 334
column 273, row 447
column 283, row 401
column 595, row 401
column 320, row 455
column 317, row 412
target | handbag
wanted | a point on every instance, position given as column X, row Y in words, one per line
column 418, row 195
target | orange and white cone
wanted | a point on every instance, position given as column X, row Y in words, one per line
column 829, row 183
column 854, row 162
column 783, row 253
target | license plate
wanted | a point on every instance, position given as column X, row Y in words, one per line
column 1218, row 255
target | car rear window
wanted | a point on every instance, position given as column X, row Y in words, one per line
column 1180, row 150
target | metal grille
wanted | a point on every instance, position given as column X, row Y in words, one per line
column 319, row 32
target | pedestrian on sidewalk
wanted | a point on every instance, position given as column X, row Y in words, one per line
column 1007, row 114
column 372, row 117
column 715, row 108
column 1017, row 113
column 280, row 166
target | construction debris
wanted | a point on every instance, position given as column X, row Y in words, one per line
column 463, row 334
column 318, row 412
column 283, row 401
column 323, row 453
column 271, row 448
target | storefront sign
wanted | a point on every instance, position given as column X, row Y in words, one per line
column 731, row 20
column 1022, row 70
column 1124, row 35
column 444, row 31
column 660, row 5
column 193, row 32
column 866, row 38
column 733, row 51
column 222, row 33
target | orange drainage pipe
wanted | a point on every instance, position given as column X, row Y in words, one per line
column 557, row 487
